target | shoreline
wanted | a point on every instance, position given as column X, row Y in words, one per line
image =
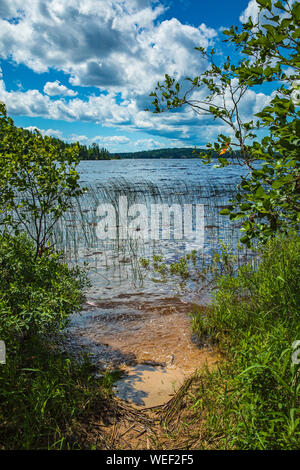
column 151, row 344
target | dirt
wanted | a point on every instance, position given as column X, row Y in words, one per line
column 151, row 343
column 172, row 425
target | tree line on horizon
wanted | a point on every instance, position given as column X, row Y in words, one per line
column 95, row 152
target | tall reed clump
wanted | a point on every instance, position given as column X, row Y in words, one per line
column 252, row 401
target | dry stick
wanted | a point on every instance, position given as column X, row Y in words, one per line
column 130, row 427
column 153, row 407
column 141, row 433
column 113, row 433
column 127, row 443
column 171, row 406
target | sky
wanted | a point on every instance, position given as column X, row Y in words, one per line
column 82, row 70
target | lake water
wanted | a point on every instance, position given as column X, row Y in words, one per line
column 161, row 171
column 133, row 316
column 115, row 266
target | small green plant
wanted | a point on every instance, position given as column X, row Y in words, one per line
column 144, row 262
column 47, row 398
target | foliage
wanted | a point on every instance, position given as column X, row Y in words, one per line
column 183, row 269
column 194, row 267
column 253, row 399
column 186, row 152
column 93, row 152
column 38, row 179
column 268, row 198
column 47, row 399
column 36, row 295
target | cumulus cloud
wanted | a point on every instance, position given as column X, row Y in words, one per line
column 118, row 46
column 110, row 44
column 49, row 132
column 114, row 139
column 121, row 47
column 106, row 110
column 251, row 10
column 10, row 9
column 55, row 88
column 147, row 144
column 77, row 138
column 150, row 144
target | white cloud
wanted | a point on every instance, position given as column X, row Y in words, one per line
column 106, row 110
column 150, row 144
column 119, row 46
column 147, row 144
column 114, row 139
column 251, row 10
column 111, row 44
column 77, row 138
column 9, row 9
column 49, row 132
column 55, row 88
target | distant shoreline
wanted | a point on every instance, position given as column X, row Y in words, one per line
column 158, row 154
column 164, row 153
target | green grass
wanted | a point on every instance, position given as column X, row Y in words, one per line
column 47, row 398
column 252, row 400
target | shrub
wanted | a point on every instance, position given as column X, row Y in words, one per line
column 46, row 396
column 38, row 180
column 37, row 295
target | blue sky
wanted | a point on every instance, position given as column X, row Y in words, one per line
column 83, row 69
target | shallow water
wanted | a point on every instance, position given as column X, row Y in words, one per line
column 131, row 320
column 115, row 264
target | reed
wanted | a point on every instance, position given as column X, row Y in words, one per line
column 75, row 233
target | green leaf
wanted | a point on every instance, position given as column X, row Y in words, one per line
column 260, row 192
column 279, row 5
column 225, row 212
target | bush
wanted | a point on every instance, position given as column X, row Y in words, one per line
column 254, row 398
column 37, row 295
column 38, row 180
column 46, row 397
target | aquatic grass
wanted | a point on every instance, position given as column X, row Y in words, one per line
column 75, row 233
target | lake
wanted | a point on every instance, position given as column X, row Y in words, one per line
column 134, row 317
column 115, row 264
column 160, row 171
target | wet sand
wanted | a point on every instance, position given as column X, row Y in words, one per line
column 150, row 342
